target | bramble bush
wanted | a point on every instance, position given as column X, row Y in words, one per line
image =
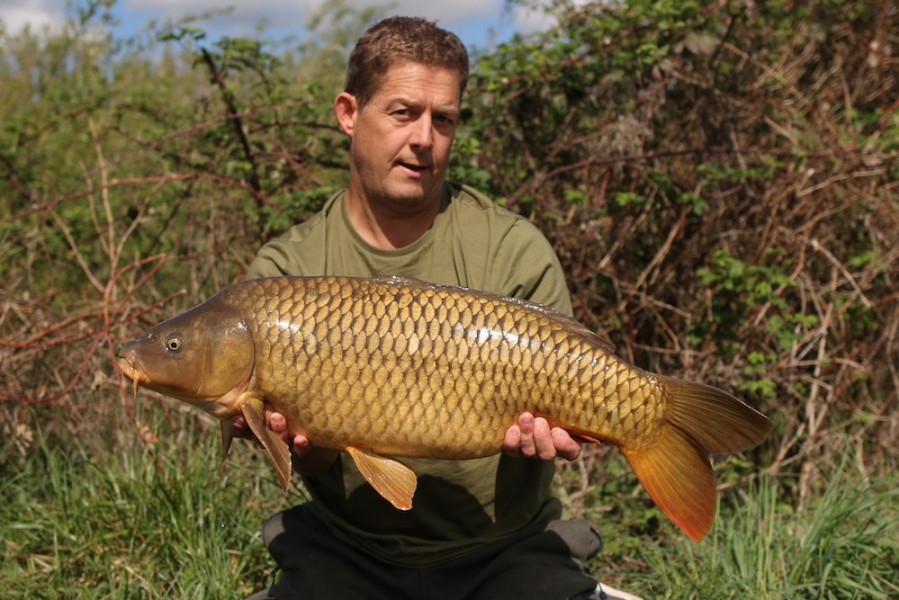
column 720, row 181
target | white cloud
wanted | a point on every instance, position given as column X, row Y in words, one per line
column 532, row 16
column 36, row 15
column 530, row 20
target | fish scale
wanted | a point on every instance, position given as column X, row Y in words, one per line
column 392, row 367
column 415, row 385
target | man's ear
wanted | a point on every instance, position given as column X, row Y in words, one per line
column 346, row 108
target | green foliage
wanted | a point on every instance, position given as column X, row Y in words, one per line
column 139, row 147
column 738, row 289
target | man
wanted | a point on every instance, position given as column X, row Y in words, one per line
column 483, row 528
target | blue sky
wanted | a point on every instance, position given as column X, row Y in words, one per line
column 478, row 22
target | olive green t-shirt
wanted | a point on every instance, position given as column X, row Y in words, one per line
column 460, row 506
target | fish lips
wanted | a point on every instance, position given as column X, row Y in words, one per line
column 129, row 366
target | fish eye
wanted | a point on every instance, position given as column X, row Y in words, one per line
column 173, row 343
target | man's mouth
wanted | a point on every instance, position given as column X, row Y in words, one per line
column 414, row 167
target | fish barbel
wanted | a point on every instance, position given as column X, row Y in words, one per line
column 393, row 367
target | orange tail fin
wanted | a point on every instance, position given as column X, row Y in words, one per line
column 675, row 469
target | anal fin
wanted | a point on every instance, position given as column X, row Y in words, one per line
column 277, row 450
column 392, row 479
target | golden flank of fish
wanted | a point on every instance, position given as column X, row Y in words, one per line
column 393, row 367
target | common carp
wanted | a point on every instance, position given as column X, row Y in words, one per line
column 393, row 367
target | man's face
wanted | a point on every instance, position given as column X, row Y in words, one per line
column 401, row 138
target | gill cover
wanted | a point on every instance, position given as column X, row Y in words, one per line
column 197, row 356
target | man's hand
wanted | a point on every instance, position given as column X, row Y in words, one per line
column 534, row 438
column 308, row 460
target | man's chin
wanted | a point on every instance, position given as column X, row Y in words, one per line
column 416, row 193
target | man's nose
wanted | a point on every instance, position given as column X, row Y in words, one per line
column 423, row 133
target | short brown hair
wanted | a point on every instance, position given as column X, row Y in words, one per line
column 402, row 39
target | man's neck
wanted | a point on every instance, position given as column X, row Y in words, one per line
column 388, row 225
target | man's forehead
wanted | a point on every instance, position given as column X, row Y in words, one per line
column 417, row 82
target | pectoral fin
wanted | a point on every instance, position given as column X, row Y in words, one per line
column 227, row 437
column 274, row 445
column 392, row 479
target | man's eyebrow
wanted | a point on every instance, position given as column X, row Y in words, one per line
column 448, row 108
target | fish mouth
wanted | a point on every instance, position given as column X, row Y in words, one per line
column 132, row 370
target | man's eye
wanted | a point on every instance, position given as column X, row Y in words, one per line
column 445, row 124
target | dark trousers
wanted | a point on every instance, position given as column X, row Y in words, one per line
column 548, row 565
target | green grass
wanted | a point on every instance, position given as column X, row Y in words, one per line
column 159, row 521
column 155, row 522
column 844, row 545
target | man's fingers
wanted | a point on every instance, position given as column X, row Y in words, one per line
column 301, row 445
column 566, row 446
column 535, row 438
column 512, row 441
column 526, row 445
column 278, row 424
column 544, row 447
